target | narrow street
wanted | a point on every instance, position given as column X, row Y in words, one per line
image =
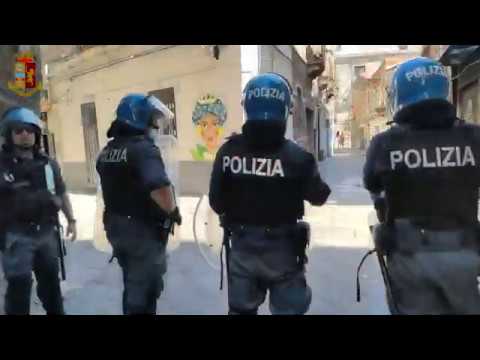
column 340, row 238
column 69, row 101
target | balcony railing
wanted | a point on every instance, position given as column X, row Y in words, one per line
column 315, row 63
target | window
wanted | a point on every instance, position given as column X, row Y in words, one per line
column 359, row 69
column 90, row 136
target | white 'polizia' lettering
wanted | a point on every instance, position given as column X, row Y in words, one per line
column 424, row 72
column 445, row 156
column 265, row 92
column 114, row 155
column 448, row 151
column 253, row 166
column 260, row 169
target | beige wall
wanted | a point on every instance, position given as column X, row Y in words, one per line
column 190, row 69
column 53, row 52
column 278, row 58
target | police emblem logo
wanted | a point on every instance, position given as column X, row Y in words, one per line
column 25, row 75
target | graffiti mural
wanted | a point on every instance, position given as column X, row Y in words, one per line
column 209, row 116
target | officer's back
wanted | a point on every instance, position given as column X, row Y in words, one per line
column 266, row 185
column 258, row 186
column 428, row 166
column 259, row 177
column 431, row 172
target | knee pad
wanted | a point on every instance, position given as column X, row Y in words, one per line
column 136, row 309
column 297, row 304
column 234, row 311
column 139, row 304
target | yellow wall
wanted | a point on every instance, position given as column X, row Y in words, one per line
column 190, row 69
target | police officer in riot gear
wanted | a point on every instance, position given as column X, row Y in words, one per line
column 259, row 183
column 139, row 200
column 30, row 204
column 427, row 165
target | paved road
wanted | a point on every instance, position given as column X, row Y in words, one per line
column 339, row 239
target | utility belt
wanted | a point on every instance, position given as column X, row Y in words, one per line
column 31, row 227
column 408, row 237
column 296, row 236
column 149, row 221
column 161, row 226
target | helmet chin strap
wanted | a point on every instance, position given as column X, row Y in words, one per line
column 24, row 150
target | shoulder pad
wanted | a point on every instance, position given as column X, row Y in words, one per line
column 231, row 140
column 392, row 131
column 469, row 128
column 292, row 146
column 295, row 151
column 234, row 137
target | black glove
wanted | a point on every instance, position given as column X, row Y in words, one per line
column 302, row 241
column 175, row 216
column 381, row 209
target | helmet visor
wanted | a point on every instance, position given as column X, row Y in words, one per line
column 160, row 107
column 162, row 118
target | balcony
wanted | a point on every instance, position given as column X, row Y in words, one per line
column 315, row 63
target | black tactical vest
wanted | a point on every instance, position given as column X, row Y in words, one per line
column 433, row 175
column 263, row 187
column 31, row 202
column 122, row 192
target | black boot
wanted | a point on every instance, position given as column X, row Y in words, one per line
column 17, row 297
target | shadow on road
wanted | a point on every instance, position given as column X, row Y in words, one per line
column 94, row 286
column 331, row 273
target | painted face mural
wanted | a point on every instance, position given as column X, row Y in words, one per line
column 209, row 117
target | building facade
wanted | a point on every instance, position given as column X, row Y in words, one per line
column 324, row 93
column 309, row 119
column 464, row 64
column 353, row 62
column 202, row 85
column 370, row 113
